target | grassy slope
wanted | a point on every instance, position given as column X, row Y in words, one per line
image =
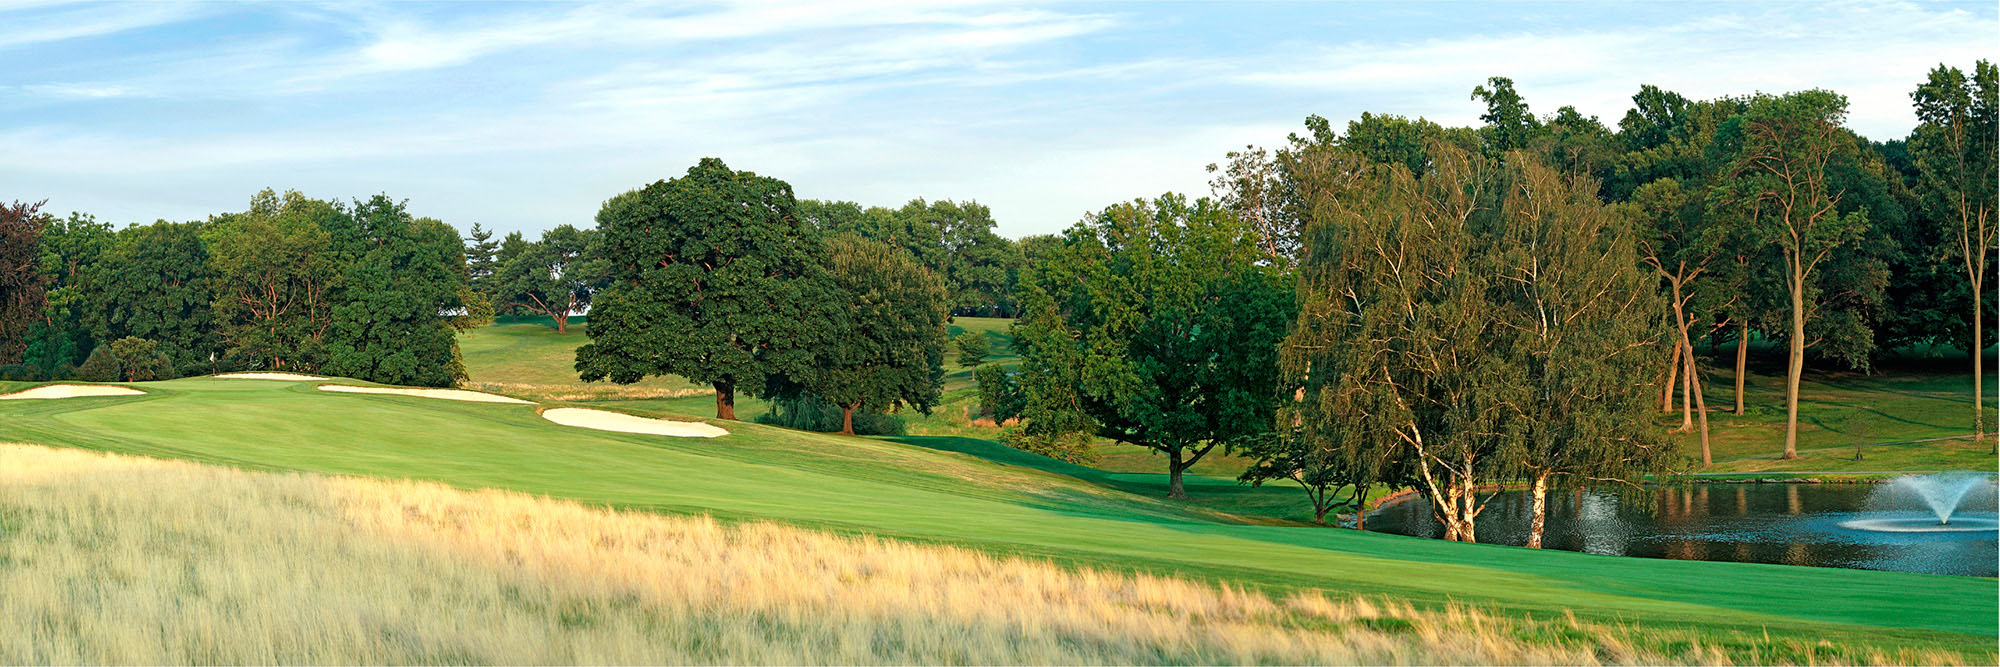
column 1908, row 402
column 525, row 357
column 978, row 494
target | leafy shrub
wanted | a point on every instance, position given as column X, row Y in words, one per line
column 101, row 366
column 1071, row 447
column 126, row 360
column 812, row 413
column 141, row 360
column 21, row 373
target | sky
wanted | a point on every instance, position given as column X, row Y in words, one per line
column 524, row 116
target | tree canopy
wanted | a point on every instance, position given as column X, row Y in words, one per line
column 557, row 276
column 884, row 343
column 1156, row 325
column 707, row 283
column 394, row 323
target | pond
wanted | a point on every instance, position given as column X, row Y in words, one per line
column 1791, row 524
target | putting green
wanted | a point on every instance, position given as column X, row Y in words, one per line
column 978, row 494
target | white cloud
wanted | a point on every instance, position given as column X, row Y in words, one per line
column 29, row 24
column 531, row 116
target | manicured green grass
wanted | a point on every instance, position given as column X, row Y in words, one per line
column 526, row 357
column 985, row 496
column 1898, row 414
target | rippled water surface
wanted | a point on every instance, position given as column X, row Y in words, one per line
column 1795, row 524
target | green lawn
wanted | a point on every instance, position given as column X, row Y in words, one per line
column 1897, row 414
column 981, row 495
column 526, row 357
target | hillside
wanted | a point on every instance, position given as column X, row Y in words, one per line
column 978, row 495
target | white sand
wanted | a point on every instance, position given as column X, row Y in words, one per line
column 446, row 394
column 269, row 376
column 72, row 391
column 603, row 420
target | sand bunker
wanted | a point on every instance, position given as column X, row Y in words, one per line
column 614, row 421
column 72, row 391
column 446, row 394
column 269, row 376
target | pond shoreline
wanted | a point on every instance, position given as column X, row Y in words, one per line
column 1717, row 478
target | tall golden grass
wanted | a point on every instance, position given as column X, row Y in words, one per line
column 112, row 559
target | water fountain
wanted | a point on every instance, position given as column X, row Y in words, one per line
column 1942, row 494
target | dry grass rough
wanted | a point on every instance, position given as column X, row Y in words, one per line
column 112, row 559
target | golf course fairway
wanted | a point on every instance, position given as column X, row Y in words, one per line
column 985, row 497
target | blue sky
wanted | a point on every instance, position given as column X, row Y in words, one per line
column 523, row 116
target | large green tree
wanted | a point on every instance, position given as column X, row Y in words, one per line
column 1778, row 179
column 60, row 340
column 1575, row 317
column 1156, row 324
column 396, row 320
column 1391, row 347
column 706, row 284
column 1954, row 151
column 275, row 275
column 23, row 286
column 884, row 347
column 155, row 282
column 557, row 276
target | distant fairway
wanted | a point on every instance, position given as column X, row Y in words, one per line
column 980, row 495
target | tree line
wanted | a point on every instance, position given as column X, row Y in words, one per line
column 1403, row 304
column 361, row 289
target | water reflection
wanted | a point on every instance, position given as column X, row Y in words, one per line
column 1797, row 524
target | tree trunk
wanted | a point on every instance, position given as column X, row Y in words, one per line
column 725, row 400
column 562, row 323
column 1686, row 356
column 1796, row 367
column 1361, row 508
column 1673, row 375
column 1978, row 365
column 1174, row 466
column 1700, row 401
column 847, row 419
column 1541, row 495
column 1450, row 513
column 1742, row 361
column 1466, row 493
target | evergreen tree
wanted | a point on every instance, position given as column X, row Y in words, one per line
column 482, row 258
